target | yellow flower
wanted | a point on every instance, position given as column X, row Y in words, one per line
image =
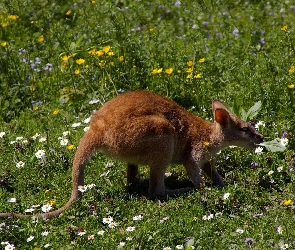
column 55, row 112
column 65, row 58
column 4, row 24
column 37, row 248
column 284, row 28
column 190, row 70
column 47, row 191
column 99, row 53
column 87, row 66
column 121, row 58
column 33, row 88
column 287, row 202
column 13, row 17
column 202, row 60
column 70, row 147
column 206, row 143
column 198, row 76
column 101, row 64
column 152, row 30
column 110, row 53
column 189, row 63
column 68, row 12
column 292, row 69
column 52, row 202
column 80, row 61
column 41, row 39
column 112, row 63
column 291, row 86
column 91, row 52
column 169, row 71
column 77, row 71
column 106, row 49
column 189, row 76
column 157, row 71
column 179, row 71
column 93, row 2
column 3, row 44
column 35, row 108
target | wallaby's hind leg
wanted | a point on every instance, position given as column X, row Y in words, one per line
column 156, row 182
column 210, row 170
column 132, row 174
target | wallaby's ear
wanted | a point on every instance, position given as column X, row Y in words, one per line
column 218, row 105
column 221, row 116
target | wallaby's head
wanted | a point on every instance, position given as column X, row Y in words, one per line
column 236, row 131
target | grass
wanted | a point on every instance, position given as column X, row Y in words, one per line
column 61, row 60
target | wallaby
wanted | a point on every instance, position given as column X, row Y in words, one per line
column 142, row 128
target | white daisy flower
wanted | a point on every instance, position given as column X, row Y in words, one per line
column 42, row 139
column 64, row 142
column 226, row 196
column 284, row 142
column 240, row 230
column 130, row 229
column 82, row 189
column 100, row 232
column 46, row 208
column 66, row 133
column 107, row 220
column 87, row 120
column 30, row 238
column 11, row 200
column 94, row 101
column 20, row 164
column 40, row 154
column 259, row 150
column 75, row 125
column 2, row 134
column 86, row 129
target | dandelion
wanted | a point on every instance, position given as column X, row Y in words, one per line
column 64, row 142
column 259, row 150
column 100, row 232
column 292, row 69
column 284, row 142
column 121, row 58
column 80, row 61
column 40, row 154
column 284, row 28
column 106, row 49
column 279, row 229
column 20, row 164
column 56, row 111
column 291, row 86
column 169, row 71
column 226, row 196
column 3, row 44
column 41, row 39
column 70, row 147
column 240, row 230
column 45, row 233
column 11, row 200
column 68, row 12
column 130, row 229
column 46, row 208
column 75, row 125
column 287, row 202
column 202, row 60
column 189, row 63
column 30, row 238
column 82, row 189
column 2, row 134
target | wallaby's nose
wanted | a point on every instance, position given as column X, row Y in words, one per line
column 261, row 138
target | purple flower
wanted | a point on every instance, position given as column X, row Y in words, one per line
column 293, row 7
column 205, row 23
column 236, row 32
column 262, row 41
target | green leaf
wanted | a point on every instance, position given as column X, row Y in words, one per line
column 253, row 111
column 273, row 146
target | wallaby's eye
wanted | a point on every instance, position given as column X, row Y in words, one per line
column 244, row 129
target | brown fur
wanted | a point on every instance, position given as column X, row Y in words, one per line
column 141, row 128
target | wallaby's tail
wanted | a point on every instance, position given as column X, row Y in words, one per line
column 87, row 146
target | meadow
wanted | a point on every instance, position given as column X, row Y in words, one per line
column 60, row 60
